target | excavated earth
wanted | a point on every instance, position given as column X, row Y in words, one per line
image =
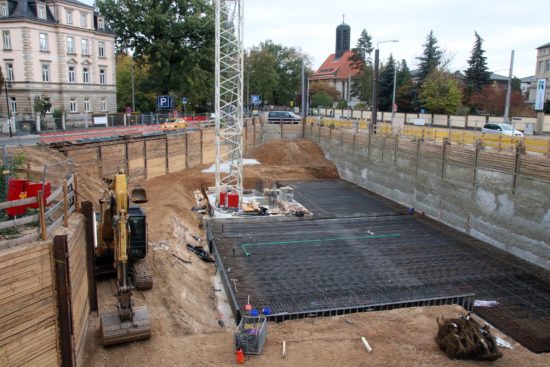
column 186, row 305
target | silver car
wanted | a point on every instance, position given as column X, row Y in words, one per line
column 504, row 129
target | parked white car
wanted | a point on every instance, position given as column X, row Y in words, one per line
column 504, row 129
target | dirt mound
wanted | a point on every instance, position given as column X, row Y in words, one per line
column 294, row 154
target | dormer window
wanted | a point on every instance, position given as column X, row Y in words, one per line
column 41, row 11
column 101, row 24
column 4, row 9
column 84, row 20
column 69, row 17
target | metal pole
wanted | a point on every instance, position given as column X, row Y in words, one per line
column 509, row 91
column 133, row 94
column 393, row 95
column 303, row 90
column 8, row 106
column 374, row 110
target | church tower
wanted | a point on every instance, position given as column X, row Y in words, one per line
column 342, row 39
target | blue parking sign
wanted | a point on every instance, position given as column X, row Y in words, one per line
column 255, row 99
column 184, row 100
column 165, row 102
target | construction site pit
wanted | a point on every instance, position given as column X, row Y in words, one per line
column 355, row 251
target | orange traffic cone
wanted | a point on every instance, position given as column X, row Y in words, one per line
column 240, row 356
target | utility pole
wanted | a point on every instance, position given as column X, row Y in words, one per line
column 509, row 91
column 304, row 91
column 374, row 114
column 393, row 94
column 133, row 94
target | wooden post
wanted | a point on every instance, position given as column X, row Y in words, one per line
column 186, row 150
column 417, row 155
column 519, row 149
column 444, row 158
column 65, row 205
column 75, row 189
column 88, row 212
column 166, row 166
column 145, row 158
column 42, row 216
column 202, row 148
column 29, row 171
column 476, row 158
column 126, row 158
column 395, row 148
column 100, row 160
column 281, row 125
column 63, row 291
column 353, row 144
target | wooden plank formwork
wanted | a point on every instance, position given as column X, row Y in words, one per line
column 27, row 307
column 176, row 153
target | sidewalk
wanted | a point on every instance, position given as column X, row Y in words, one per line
column 18, row 140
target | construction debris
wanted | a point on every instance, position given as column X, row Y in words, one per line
column 366, row 344
column 201, row 253
column 465, row 338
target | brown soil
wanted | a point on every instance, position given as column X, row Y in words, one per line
column 185, row 330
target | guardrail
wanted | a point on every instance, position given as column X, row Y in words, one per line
column 531, row 144
column 53, row 211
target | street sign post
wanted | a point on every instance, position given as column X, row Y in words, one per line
column 256, row 99
column 165, row 102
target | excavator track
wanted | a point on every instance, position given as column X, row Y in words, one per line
column 142, row 276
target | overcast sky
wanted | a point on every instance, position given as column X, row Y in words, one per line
column 310, row 25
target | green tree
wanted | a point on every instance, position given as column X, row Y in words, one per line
column 175, row 38
column 361, row 86
column 430, row 59
column 324, row 87
column 440, row 93
column 477, row 75
column 261, row 73
column 281, row 77
column 405, row 96
column 321, row 99
column 42, row 105
column 385, row 85
column 144, row 94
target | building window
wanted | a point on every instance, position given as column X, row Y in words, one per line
column 13, row 104
column 72, row 105
column 101, row 24
column 70, row 45
column 45, row 73
column 101, row 49
column 41, row 11
column 102, row 76
column 6, row 39
column 85, row 75
column 9, row 72
column 69, row 17
column 84, row 20
column 85, row 49
column 541, row 64
column 43, row 42
column 548, row 65
column 3, row 9
column 72, row 74
column 103, row 104
column 86, row 104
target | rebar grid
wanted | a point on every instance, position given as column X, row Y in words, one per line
column 428, row 263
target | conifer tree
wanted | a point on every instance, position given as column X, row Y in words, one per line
column 477, row 75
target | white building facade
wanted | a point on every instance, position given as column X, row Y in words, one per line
column 59, row 50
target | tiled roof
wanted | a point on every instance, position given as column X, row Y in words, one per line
column 334, row 68
column 544, row 46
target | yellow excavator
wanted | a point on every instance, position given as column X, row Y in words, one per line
column 122, row 242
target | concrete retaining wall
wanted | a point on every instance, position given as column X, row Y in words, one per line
column 502, row 199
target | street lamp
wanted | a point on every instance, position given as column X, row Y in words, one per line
column 374, row 110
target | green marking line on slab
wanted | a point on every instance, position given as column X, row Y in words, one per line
column 299, row 242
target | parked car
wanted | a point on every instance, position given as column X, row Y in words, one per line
column 287, row 117
column 173, row 124
column 504, row 129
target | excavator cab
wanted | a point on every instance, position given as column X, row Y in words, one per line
column 138, row 233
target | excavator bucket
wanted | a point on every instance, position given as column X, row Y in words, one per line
column 115, row 331
column 139, row 195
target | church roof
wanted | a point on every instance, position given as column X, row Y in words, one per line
column 333, row 68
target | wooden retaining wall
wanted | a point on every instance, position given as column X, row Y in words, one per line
column 27, row 306
column 30, row 328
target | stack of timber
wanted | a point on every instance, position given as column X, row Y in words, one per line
column 27, row 308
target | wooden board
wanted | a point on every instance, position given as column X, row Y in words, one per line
column 27, row 310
